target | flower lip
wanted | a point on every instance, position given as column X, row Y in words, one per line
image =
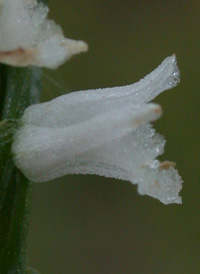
column 104, row 132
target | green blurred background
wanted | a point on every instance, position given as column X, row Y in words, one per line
column 94, row 225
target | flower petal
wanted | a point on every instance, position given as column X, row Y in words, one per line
column 120, row 158
column 80, row 106
column 39, row 151
column 28, row 38
column 130, row 158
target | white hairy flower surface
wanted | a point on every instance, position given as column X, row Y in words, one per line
column 103, row 131
column 27, row 37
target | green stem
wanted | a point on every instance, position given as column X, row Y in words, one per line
column 19, row 88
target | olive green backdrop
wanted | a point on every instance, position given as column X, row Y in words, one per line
column 94, row 225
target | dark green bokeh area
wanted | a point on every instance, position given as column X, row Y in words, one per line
column 94, row 225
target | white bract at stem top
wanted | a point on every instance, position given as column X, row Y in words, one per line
column 104, row 132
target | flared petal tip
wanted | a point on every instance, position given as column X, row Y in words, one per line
column 172, row 67
column 76, row 47
column 147, row 113
column 161, row 181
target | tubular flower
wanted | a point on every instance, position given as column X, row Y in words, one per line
column 103, row 131
column 27, row 37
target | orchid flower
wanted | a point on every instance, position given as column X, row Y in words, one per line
column 104, row 132
column 27, row 37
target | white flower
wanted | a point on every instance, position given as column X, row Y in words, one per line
column 28, row 38
column 104, row 132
